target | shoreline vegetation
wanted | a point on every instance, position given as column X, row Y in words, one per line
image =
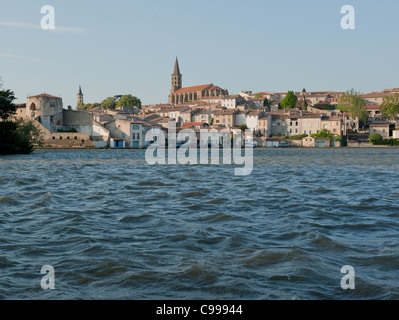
column 17, row 136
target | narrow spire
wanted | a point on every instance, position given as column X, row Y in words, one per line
column 80, row 91
column 176, row 71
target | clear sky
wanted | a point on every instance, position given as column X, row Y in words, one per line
column 126, row 46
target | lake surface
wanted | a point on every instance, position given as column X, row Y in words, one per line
column 114, row 227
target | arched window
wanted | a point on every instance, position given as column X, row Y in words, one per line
column 33, row 106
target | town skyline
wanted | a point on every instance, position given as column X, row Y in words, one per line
column 257, row 53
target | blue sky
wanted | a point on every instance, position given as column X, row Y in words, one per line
column 125, row 46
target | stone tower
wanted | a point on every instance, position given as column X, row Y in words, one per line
column 79, row 96
column 176, row 78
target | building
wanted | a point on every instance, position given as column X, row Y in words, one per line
column 232, row 101
column 137, row 135
column 225, row 118
column 382, row 128
column 180, row 94
column 46, row 109
column 79, row 97
column 265, row 125
column 374, row 113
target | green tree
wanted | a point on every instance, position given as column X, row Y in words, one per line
column 16, row 135
column 243, row 127
column 7, row 107
column 390, row 106
column 290, row 101
column 326, row 134
column 305, row 103
column 375, row 138
column 304, row 90
column 128, row 100
column 266, row 103
column 352, row 103
column 109, row 103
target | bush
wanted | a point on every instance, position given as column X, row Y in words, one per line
column 18, row 137
column 299, row 137
column 375, row 138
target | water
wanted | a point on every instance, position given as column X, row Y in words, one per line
column 114, row 227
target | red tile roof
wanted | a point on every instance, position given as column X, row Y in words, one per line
column 44, row 95
column 192, row 89
column 373, row 107
column 192, row 124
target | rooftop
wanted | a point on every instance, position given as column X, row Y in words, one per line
column 44, row 95
column 193, row 89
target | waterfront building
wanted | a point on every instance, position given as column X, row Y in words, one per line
column 180, row 94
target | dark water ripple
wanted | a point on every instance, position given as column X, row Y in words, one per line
column 115, row 228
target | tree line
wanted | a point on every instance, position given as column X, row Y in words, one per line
column 114, row 102
column 17, row 136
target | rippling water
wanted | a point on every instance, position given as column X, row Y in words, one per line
column 114, row 227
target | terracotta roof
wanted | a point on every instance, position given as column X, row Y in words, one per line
column 44, row 95
column 192, row 124
column 192, row 89
column 373, row 107
column 380, row 125
column 215, row 88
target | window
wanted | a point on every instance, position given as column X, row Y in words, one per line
column 283, row 124
column 283, row 131
column 304, row 131
column 134, row 136
column 138, row 136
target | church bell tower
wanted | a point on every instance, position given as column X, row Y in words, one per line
column 79, row 96
column 176, row 78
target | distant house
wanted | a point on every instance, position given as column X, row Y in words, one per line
column 136, row 135
column 273, row 142
column 374, row 113
column 312, row 142
column 118, row 143
column 382, row 128
column 232, row 101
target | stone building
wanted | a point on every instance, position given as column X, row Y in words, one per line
column 61, row 127
column 46, row 109
column 179, row 94
column 79, row 97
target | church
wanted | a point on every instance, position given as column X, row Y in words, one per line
column 178, row 94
